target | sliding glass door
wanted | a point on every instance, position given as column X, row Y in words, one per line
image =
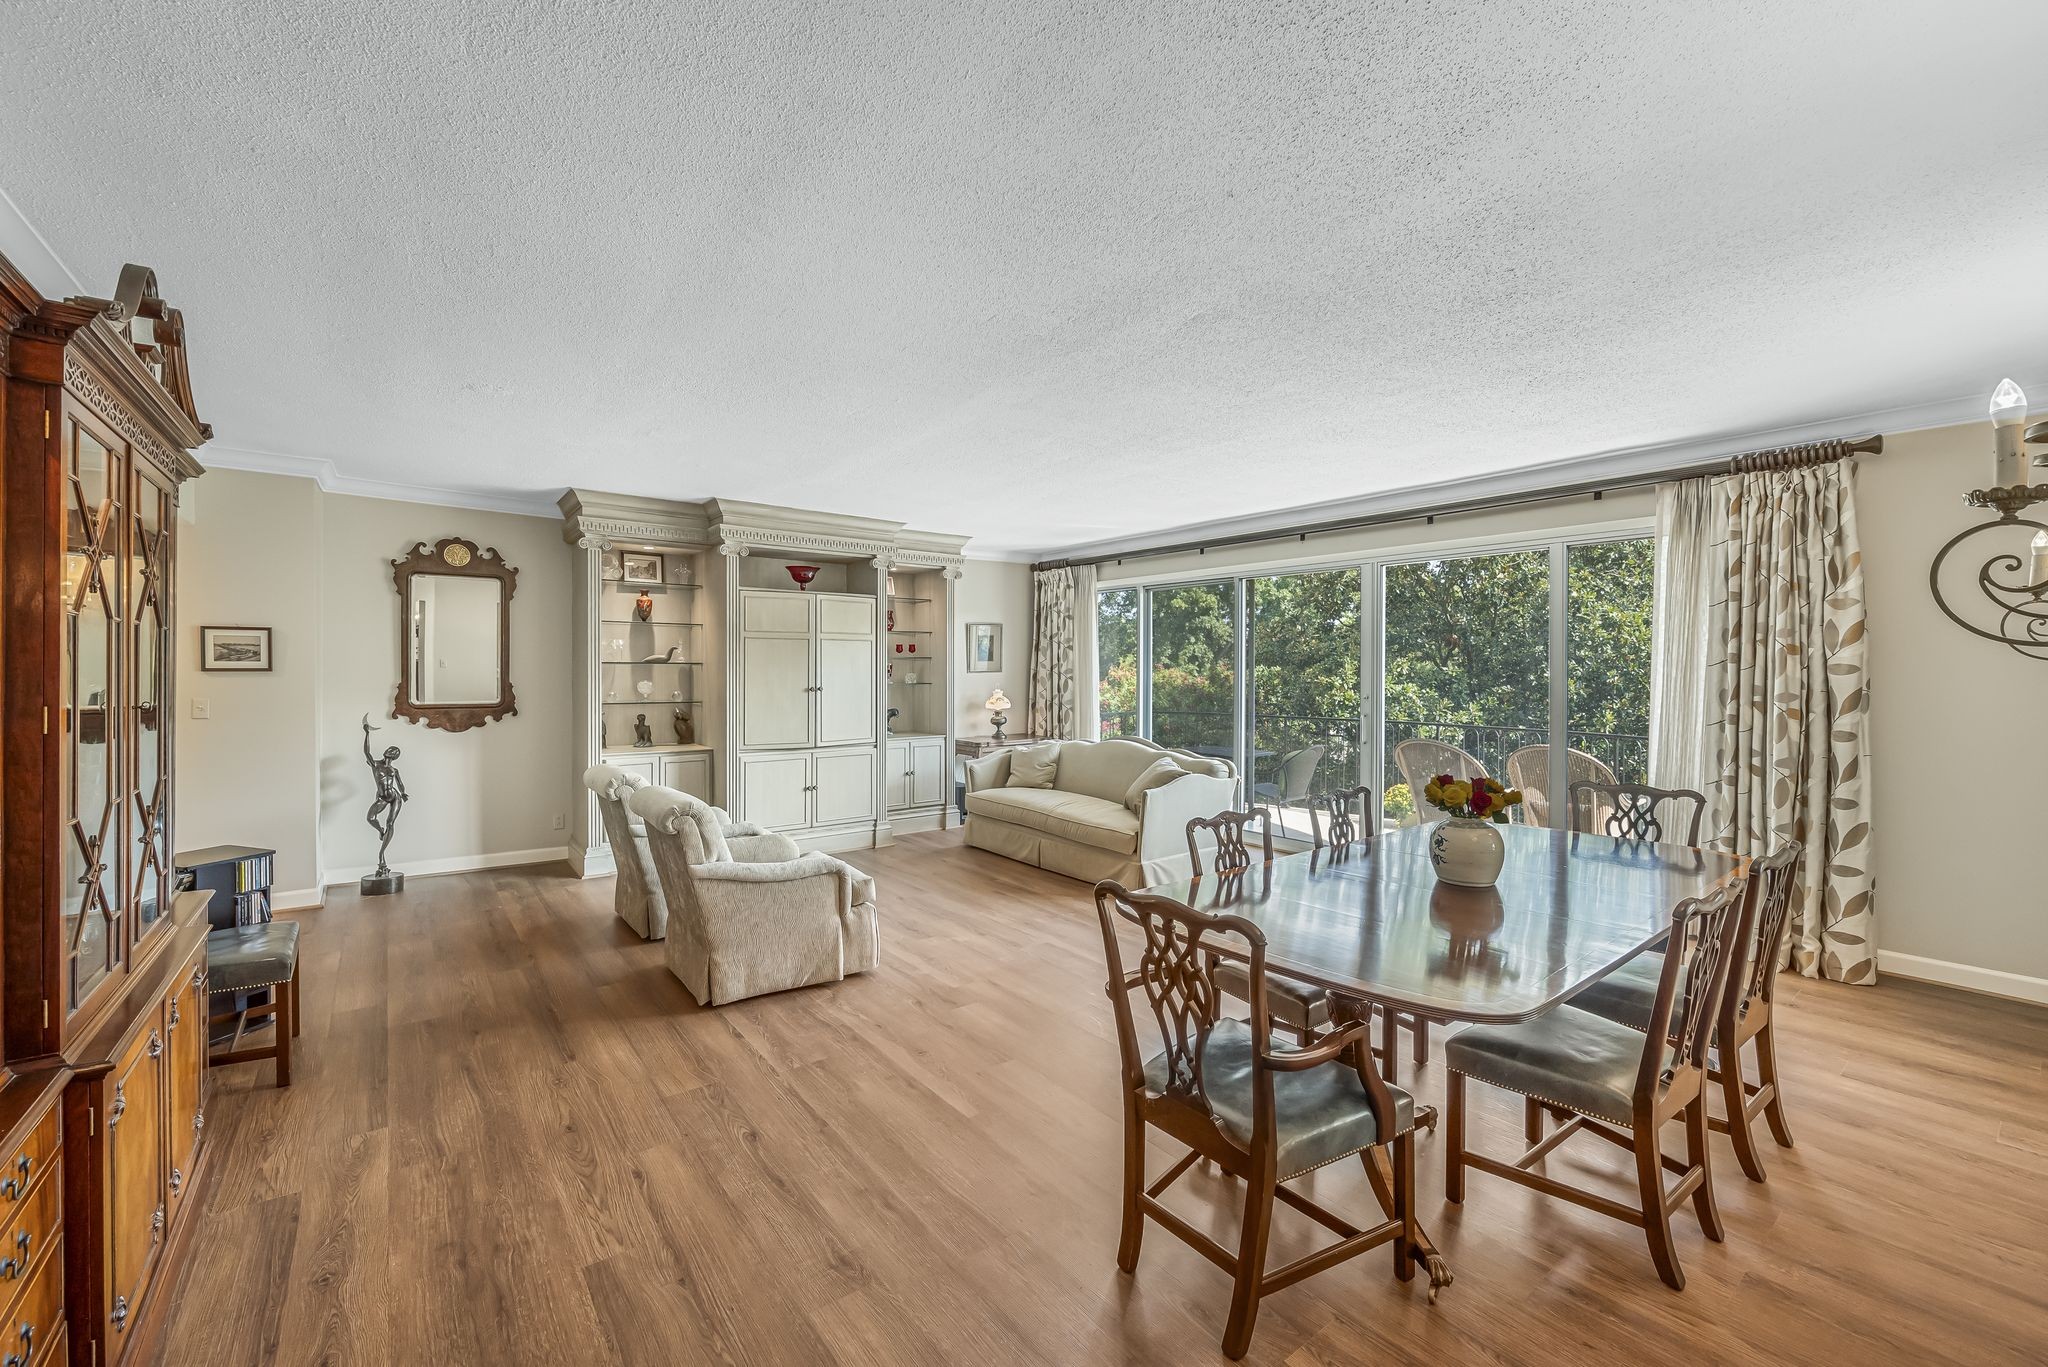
column 1191, row 668
column 1302, row 704
column 1467, row 670
column 1529, row 664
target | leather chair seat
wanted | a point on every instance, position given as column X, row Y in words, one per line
column 1078, row 817
column 1626, row 995
column 244, row 958
column 1320, row 1114
column 1301, row 1006
column 1569, row 1057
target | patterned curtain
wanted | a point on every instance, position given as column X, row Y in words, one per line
column 1786, row 702
column 1050, row 712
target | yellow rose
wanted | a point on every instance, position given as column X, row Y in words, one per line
column 1457, row 795
column 1513, row 796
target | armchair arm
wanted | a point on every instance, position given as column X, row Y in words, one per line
column 760, row 847
column 733, row 828
column 989, row 771
column 1164, row 812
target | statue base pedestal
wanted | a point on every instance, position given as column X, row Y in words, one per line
column 382, row 884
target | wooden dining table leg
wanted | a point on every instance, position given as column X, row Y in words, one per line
column 1379, row 1167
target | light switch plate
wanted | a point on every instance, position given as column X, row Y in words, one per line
column 202, row 710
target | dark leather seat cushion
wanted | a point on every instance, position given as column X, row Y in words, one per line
column 1570, row 1057
column 1320, row 1114
column 242, row 958
column 1300, row 1005
column 1627, row 994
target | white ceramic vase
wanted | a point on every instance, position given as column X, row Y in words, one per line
column 1467, row 851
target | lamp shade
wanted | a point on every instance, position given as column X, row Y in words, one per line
column 997, row 702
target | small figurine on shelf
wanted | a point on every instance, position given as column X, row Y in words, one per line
column 891, row 722
column 643, row 606
column 686, row 734
column 672, row 656
column 643, row 734
column 645, row 688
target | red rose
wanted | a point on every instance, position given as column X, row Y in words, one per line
column 1481, row 800
column 1445, row 780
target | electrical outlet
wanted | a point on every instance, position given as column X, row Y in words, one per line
column 560, row 821
column 202, row 710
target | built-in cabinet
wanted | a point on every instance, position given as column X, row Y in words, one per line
column 102, row 964
column 798, row 692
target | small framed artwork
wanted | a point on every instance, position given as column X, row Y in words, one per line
column 235, row 649
column 642, row 567
column 984, row 647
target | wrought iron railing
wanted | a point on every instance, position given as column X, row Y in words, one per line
column 1277, row 736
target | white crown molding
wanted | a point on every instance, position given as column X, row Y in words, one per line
column 32, row 253
column 323, row 473
column 1629, row 463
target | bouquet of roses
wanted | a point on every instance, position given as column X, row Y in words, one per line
column 1482, row 799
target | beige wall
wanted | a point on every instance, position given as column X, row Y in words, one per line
column 1958, row 743
column 249, row 555
column 994, row 591
column 280, row 763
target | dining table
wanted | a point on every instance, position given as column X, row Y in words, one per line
column 1371, row 923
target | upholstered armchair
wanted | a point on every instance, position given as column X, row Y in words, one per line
column 750, row 914
column 637, row 896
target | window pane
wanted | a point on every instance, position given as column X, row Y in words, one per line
column 1194, row 667
column 1467, row 670
column 1116, row 647
column 1303, row 700
column 1607, row 680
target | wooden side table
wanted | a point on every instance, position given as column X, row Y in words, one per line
column 974, row 747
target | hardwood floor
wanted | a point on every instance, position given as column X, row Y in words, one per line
column 513, row 1139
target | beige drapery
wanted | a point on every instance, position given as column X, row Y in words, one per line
column 1061, row 701
column 1761, row 629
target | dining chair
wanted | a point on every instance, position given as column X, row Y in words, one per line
column 1628, row 994
column 1343, row 831
column 1529, row 770
column 1262, row 1114
column 1422, row 760
column 1300, row 1008
column 1637, row 811
column 1614, row 1082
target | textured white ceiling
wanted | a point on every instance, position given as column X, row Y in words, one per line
column 1043, row 273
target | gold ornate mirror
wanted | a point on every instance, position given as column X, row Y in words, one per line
column 454, row 635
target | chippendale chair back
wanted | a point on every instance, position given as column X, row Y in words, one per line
column 1335, row 809
column 1637, row 811
column 1232, row 855
column 1773, row 878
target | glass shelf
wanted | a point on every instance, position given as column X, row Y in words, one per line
column 622, row 584
column 651, row 702
column 636, row 622
column 907, row 631
column 649, row 664
column 910, row 683
column 899, row 598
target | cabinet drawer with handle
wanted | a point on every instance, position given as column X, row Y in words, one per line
column 38, row 1152
column 37, row 1320
column 30, row 1225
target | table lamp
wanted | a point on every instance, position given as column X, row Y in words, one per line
column 997, row 705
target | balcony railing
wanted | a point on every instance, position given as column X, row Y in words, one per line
column 1282, row 734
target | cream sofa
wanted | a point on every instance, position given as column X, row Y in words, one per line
column 1081, row 825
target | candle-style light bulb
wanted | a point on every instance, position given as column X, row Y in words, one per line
column 2008, row 411
column 2039, row 581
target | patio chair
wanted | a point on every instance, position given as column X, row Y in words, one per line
column 1295, row 774
column 1422, row 760
column 1529, row 770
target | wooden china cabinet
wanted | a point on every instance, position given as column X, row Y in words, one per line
column 102, row 965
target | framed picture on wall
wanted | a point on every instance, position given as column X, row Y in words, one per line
column 235, row 649
column 984, row 647
column 642, row 567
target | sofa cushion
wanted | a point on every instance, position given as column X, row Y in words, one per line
column 1072, row 816
column 1103, row 768
column 1162, row 771
column 1034, row 766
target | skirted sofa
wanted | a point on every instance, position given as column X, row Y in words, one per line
column 1095, row 809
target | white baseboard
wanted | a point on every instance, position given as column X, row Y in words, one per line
column 304, row 899
column 464, row 863
column 910, row 822
column 1994, row 982
column 837, row 842
column 592, row 863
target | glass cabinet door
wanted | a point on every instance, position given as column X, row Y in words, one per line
column 90, row 810
column 149, row 561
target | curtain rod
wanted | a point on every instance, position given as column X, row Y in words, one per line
column 1748, row 462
